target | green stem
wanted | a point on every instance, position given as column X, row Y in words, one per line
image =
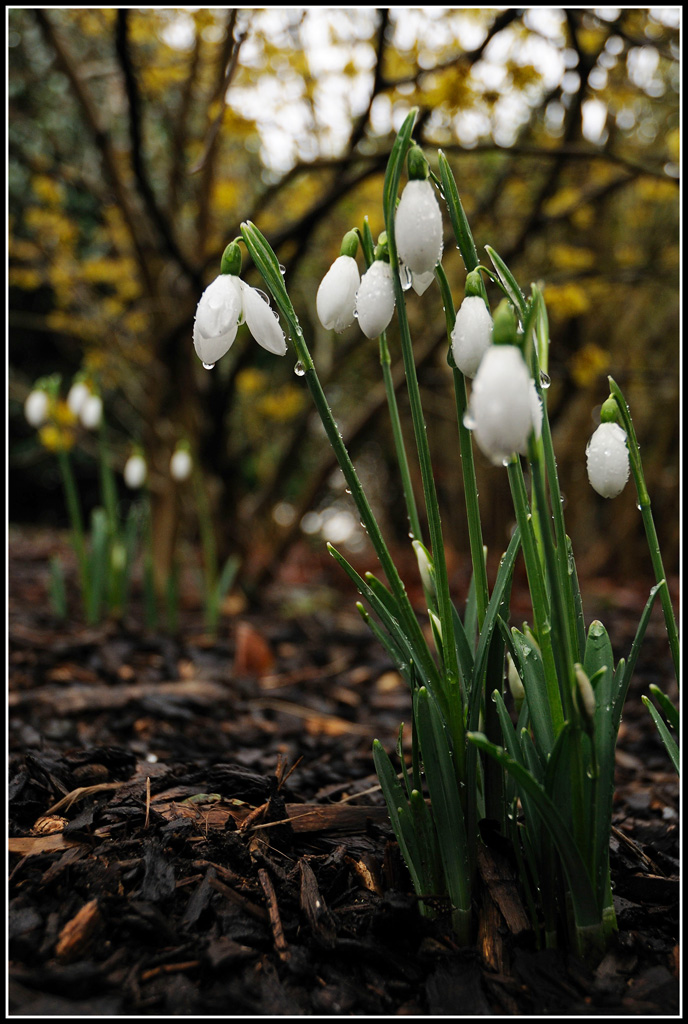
column 407, row 486
column 470, row 484
column 77, row 523
column 648, row 522
column 537, row 591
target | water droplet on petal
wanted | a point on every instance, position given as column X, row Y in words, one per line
column 299, row 370
column 208, row 366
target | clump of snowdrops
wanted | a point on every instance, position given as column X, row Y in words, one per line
column 119, row 534
column 515, row 725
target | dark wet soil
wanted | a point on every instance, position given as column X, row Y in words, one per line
column 195, row 827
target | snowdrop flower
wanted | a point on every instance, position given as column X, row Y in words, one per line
column 225, row 304
column 77, row 395
column 375, row 299
column 336, row 296
column 135, row 471
column 181, row 464
column 471, row 335
column 418, row 227
column 37, row 407
column 502, row 412
column 91, row 412
column 607, row 458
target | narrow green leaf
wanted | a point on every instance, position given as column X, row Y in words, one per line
column 619, row 696
column 459, row 222
column 668, row 740
column 508, row 280
column 526, row 654
column 671, row 712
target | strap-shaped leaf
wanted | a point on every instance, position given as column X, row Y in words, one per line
column 619, row 697
column 399, row 814
column 459, row 222
column 438, row 763
column 670, row 710
column 526, row 654
column 585, row 908
column 668, row 740
column 599, row 655
column 508, row 280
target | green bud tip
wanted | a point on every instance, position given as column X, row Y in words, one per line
column 231, row 260
column 474, row 284
column 417, row 164
column 504, row 330
column 349, row 246
column 609, row 413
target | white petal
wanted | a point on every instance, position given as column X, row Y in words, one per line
column 375, row 299
column 337, row 294
column 36, row 408
column 91, row 412
column 421, row 282
column 471, row 335
column 181, row 464
column 608, row 462
column 501, row 407
column 217, row 318
column 135, row 471
column 418, row 227
column 262, row 322
column 78, row 393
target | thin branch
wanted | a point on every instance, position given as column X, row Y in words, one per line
column 145, row 188
column 101, row 138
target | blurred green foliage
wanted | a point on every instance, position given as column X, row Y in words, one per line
column 140, row 138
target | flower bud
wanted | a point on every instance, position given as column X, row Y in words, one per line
column 515, row 682
column 501, row 411
column 37, row 407
column 418, row 227
column 471, row 335
column 425, row 567
column 336, row 296
column 607, row 458
column 375, row 299
column 135, row 471
column 91, row 412
column 181, row 464
column 587, row 701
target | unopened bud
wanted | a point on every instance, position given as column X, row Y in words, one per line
column 587, row 701
column 515, row 682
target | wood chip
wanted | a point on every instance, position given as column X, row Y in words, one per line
column 78, row 933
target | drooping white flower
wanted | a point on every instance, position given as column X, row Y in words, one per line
column 262, row 321
column 418, row 227
column 607, row 458
column 181, row 464
column 225, row 304
column 375, row 299
column 501, row 410
column 37, row 407
column 77, row 395
column 91, row 411
column 336, row 296
column 471, row 335
column 135, row 471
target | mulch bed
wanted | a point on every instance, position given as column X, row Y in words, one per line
column 195, row 828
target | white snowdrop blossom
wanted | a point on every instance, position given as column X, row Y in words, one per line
column 336, row 298
column 135, row 471
column 181, row 465
column 471, row 335
column 37, row 407
column 225, row 304
column 501, row 411
column 418, row 227
column 375, row 299
column 77, row 395
column 91, row 412
column 608, row 462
